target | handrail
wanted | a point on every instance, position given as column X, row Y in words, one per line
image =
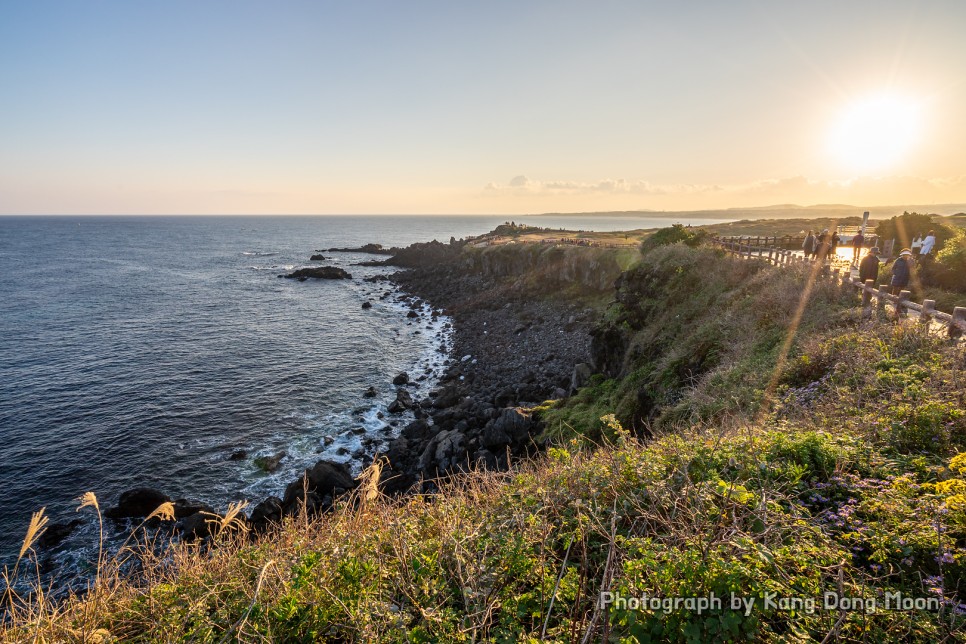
column 954, row 324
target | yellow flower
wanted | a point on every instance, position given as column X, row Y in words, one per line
column 950, row 487
column 958, row 464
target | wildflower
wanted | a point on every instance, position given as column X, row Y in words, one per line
column 946, row 558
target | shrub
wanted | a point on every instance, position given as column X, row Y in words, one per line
column 910, row 225
column 674, row 235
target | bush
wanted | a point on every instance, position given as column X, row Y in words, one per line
column 948, row 269
column 673, row 235
column 910, row 225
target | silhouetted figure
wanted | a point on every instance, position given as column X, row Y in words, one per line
column 901, row 271
column 869, row 267
column 808, row 246
column 822, row 245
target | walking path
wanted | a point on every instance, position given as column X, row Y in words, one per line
column 840, row 268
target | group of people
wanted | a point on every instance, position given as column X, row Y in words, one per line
column 824, row 244
column 901, row 269
column 820, row 246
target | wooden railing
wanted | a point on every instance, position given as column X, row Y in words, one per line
column 953, row 324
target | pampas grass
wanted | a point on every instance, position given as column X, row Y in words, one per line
column 38, row 525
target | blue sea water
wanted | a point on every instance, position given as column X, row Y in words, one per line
column 146, row 350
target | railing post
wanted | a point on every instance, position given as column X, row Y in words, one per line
column 880, row 301
column 846, row 277
column 928, row 311
column 901, row 303
column 958, row 323
column 867, row 293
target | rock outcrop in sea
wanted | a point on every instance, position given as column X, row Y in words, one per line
column 319, row 272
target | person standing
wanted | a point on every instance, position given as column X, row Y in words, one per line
column 821, row 245
column 857, row 242
column 869, row 267
column 808, row 246
column 901, row 271
column 927, row 243
column 834, row 242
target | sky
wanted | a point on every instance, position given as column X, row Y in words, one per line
column 515, row 107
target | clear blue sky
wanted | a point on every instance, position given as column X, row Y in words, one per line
column 496, row 107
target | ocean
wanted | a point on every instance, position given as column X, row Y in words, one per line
column 146, row 351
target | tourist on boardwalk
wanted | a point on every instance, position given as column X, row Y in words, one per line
column 821, row 245
column 834, row 242
column 869, row 268
column 808, row 246
column 927, row 244
column 901, row 271
column 857, row 242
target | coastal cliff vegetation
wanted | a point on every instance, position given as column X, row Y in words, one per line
column 747, row 434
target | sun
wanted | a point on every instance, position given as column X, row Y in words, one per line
column 876, row 134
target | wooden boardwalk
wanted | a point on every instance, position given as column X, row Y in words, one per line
column 839, row 268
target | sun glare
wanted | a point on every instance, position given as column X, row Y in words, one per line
column 876, row 134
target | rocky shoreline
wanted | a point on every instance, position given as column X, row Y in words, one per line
column 514, row 347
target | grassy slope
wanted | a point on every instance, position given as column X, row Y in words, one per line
column 840, row 480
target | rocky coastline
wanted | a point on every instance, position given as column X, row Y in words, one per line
column 515, row 346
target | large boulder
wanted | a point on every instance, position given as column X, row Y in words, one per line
column 322, row 482
column 186, row 507
column 56, row 532
column 447, row 451
column 512, row 426
column 404, row 400
column 265, row 513
column 137, row 503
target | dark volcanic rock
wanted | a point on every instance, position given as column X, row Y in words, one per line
column 372, row 249
column 367, row 305
column 238, row 455
column 401, row 379
column 269, row 463
column 320, row 272
column 56, row 532
column 265, row 513
column 322, row 482
column 197, row 526
column 317, row 258
column 370, row 393
column 511, row 426
column 186, row 507
column 137, row 503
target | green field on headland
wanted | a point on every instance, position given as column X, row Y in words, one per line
column 752, row 460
